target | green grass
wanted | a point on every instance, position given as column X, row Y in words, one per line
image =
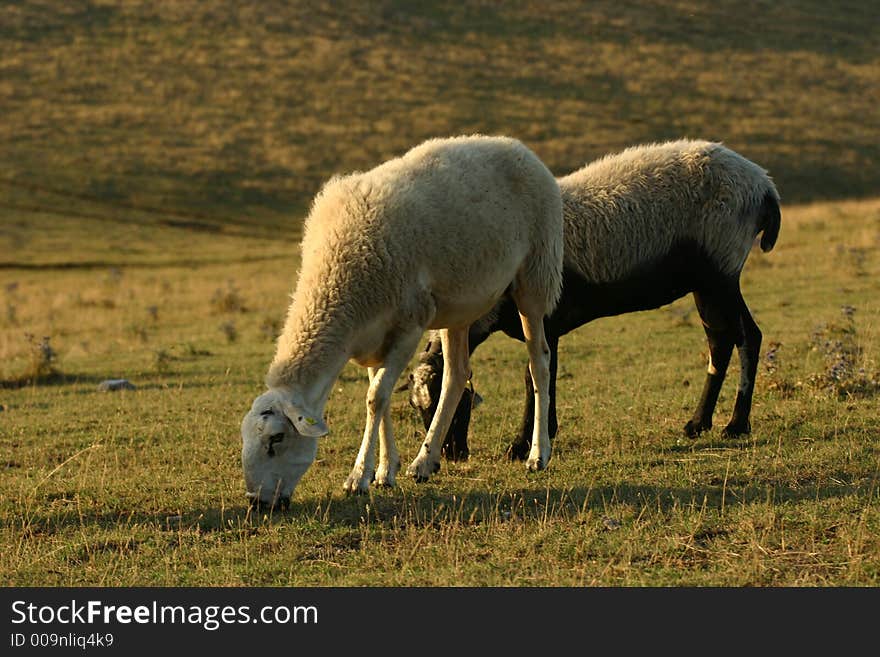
column 153, row 153
column 145, row 488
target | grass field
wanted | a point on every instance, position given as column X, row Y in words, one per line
column 145, row 487
column 151, row 155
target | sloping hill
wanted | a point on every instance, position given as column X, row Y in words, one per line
column 219, row 111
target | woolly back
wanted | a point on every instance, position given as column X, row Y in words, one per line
column 627, row 209
column 448, row 208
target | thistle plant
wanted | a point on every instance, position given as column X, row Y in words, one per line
column 846, row 372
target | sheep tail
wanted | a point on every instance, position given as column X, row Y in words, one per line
column 770, row 220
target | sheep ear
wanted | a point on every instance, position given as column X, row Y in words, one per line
column 306, row 423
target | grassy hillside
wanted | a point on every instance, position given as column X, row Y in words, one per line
column 228, row 111
column 145, row 488
column 149, row 154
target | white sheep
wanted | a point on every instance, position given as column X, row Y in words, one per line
column 642, row 228
column 432, row 239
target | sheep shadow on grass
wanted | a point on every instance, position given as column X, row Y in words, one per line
column 395, row 509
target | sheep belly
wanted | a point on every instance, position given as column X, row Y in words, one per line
column 471, row 283
column 462, row 312
column 460, row 302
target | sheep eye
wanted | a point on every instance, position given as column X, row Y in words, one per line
column 274, row 438
column 267, row 413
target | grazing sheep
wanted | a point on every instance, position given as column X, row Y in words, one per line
column 643, row 228
column 432, row 239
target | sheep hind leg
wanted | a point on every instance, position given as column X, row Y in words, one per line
column 382, row 380
column 455, row 445
column 749, row 351
column 539, row 369
column 719, row 324
column 521, row 444
column 455, row 375
column 428, row 378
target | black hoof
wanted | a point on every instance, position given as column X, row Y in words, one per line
column 693, row 429
column 420, row 479
column 454, row 454
column 518, row 450
column 736, row 429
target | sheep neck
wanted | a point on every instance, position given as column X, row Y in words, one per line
column 312, row 351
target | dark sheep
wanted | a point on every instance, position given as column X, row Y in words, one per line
column 643, row 228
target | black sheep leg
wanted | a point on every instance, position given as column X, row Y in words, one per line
column 749, row 352
column 720, row 314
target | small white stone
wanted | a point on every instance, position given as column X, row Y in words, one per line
column 611, row 523
column 115, row 384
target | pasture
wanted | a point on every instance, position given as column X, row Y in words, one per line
column 152, row 155
column 144, row 487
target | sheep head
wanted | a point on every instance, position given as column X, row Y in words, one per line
column 279, row 443
column 424, row 385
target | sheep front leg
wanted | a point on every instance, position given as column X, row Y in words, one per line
column 539, row 367
column 455, row 374
column 382, row 382
column 365, row 464
column 389, row 458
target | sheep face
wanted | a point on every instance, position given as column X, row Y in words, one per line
column 424, row 386
column 274, row 453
